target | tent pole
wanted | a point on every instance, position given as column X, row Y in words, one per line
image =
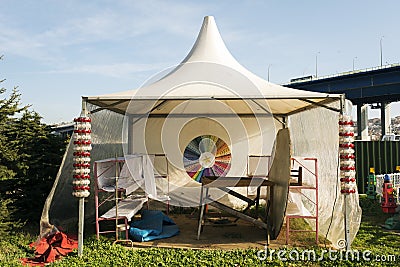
column 81, row 225
column 81, row 219
column 130, row 135
column 319, row 104
column 283, row 122
column 346, row 224
column 346, row 215
column 84, row 110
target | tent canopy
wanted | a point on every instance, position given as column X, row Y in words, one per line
column 210, row 73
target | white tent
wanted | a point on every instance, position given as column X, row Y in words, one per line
column 209, row 72
column 210, row 93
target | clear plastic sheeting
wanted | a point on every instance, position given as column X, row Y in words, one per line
column 314, row 133
column 295, row 205
column 61, row 208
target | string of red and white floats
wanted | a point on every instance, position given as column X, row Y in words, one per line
column 82, row 148
column 346, row 155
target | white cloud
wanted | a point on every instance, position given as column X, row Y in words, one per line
column 92, row 24
column 16, row 41
column 117, row 70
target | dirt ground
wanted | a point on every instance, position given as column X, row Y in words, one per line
column 218, row 233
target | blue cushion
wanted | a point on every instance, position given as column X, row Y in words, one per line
column 150, row 213
column 138, row 234
column 153, row 225
column 168, row 231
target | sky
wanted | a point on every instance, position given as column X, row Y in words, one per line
column 58, row 51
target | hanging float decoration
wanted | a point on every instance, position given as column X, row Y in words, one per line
column 347, row 157
column 82, row 148
column 207, row 155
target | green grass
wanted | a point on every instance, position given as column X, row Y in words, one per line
column 102, row 253
column 14, row 247
column 371, row 235
column 105, row 254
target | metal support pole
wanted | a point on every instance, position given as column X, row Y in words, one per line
column 81, row 204
column 380, row 49
column 345, row 212
column 81, row 225
column 346, row 224
column 117, row 198
column 316, row 65
column 201, row 213
column 130, row 135
column 84, row 111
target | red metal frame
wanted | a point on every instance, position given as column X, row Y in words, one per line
column 288, row 217
column 108, row 198
column 111, row 195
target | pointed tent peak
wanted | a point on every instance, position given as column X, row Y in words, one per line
column 209, row 46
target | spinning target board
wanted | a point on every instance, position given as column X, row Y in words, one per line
column 206, row 155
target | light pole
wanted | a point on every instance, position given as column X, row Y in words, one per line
column 380, row 45
column 353, row 62
column 268, row 70
column 316, row 65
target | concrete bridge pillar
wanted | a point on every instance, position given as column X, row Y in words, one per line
column 385, row 118
column 362, row 122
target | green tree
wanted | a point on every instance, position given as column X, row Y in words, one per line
column 9, row 156
column 29, row 159
column 40, row 154
column 9, row 108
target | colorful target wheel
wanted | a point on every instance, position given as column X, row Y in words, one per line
column 206, row 155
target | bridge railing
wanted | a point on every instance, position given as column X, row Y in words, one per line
column 313, row 78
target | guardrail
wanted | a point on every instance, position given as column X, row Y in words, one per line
column 313, row 78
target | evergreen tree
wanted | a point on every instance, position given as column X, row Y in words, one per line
column 40, row 154
column 9, row 156
column 29, row 159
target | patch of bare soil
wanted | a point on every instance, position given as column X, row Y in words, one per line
column 218, row 233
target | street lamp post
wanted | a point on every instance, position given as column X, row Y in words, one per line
column 316, row 65
column 353, row 62
column 268, row 70
column 380, row 45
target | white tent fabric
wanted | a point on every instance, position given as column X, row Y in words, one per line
column 210, row 72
